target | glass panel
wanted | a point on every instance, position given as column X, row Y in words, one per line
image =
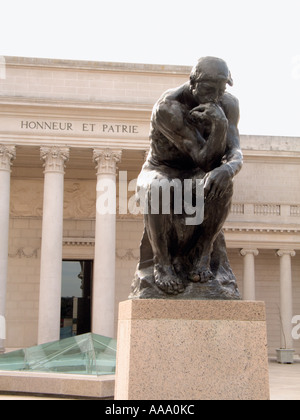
column 12, row 361
column 87, row 354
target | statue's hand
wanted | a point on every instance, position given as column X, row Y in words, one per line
column 217, row 182
column 211, row 112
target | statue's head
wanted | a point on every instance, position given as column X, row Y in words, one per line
column 209, row 78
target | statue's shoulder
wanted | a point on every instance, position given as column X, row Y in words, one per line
column 230, row 101
column 230, row 105
column 169, row 107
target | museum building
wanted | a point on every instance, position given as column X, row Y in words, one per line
column 68, row 128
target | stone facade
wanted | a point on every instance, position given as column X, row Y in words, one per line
column 84, row 114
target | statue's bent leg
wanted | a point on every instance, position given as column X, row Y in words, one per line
column 215, row 214
column 161, row 235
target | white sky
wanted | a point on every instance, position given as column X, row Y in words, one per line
column 259, row 39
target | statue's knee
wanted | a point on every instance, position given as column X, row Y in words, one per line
column 227, row 196
column 229, row 189
column 159, row 195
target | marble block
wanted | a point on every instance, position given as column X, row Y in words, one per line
column 192, row 350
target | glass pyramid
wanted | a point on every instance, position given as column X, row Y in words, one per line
column 87, row 354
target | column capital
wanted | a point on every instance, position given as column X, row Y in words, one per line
column 54, row 158
column 246, row 251
column 106, row 160
column 7, row 155
column 282, row 252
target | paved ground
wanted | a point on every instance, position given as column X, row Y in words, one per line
column 284, row 381
column 284, row 384
column 25, row 397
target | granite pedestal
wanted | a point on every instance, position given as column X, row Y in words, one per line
column 192, row 350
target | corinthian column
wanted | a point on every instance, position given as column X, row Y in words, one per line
column 286, row 297
column 7, row 155
column 51, row 251
column 105, row 242
column 249, row 273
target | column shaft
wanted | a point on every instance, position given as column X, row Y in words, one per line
column 249, row 273
column 51, row 250
column 286, row 297
column 7, row 155
column 103, row 306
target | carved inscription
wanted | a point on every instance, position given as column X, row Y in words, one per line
column 67, row 126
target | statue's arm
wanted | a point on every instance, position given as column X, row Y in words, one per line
column 233, row 158
column 215, row 146
column 169, row 118
column 219, row 180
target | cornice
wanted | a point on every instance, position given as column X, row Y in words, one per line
column 76, row 142
column 265, row 229
column 79, row 241
column 7, row 104
column 263, row 237
column 255, row 148
column 28, row 62
column 270, row 156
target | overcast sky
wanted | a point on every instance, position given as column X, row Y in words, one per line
column 259, row 39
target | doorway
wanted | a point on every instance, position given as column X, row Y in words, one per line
column 76, row 287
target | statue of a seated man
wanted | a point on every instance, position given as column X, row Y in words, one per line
column 194, row 136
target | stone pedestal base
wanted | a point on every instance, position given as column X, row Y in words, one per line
column 191, row 350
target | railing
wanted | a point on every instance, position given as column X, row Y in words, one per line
column 295, row 211
column 265, row 209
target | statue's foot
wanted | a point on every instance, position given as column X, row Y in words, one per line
column 181, row 271
column 167, row 280
column 202, row 275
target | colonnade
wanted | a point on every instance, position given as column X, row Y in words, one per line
column 55, row 159
column 286, row 297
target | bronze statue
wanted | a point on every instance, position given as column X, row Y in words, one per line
column 194, row 136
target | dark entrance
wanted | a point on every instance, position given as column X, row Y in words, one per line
column 76, row 297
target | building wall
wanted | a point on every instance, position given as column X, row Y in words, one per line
column 265, row 214
column 88, row 81
column 268, row 182
column 268, row 289
column 24, row 266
